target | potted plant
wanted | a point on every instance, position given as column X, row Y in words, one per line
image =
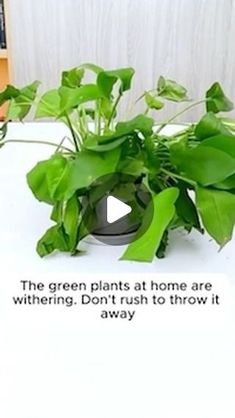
column 104, row 155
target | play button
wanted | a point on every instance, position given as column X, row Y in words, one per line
column 116, row 209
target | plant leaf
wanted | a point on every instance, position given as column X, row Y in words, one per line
column 80, row 173
column 71, row 220
column 145, row 247
column 42, row 187
column 49, row 105
column 55, row 238
column 171, row 90
column 73, row 77
column 225, row 143
column 107, row 79
column 152, row 102
column 186, row 210
column 9, row 93
column 205, row 165
column 216, row 100
column 210, row 126
column 73, row 97
column 227, row 184
column 217, row 210
column 91, row 67
column 140, row 123
column 21, row 104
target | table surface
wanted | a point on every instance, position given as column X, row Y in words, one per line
column 23, row 220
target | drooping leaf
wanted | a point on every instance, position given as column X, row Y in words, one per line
column 217, row 210
column 186, row 210
column 161, row 251
column 9, row 93
column 153, row 102
column 49, row 105
column 227, row 184
column 41, row 181
column 55, row 238
column 217, row 100
column 171, row 90
column 205, row 165
column 71, row 220
column 210, row 126
column 21, row 104
column 91, row 67
column 147, row 241
column 81, row 172
column 73, row 77
column 107, row 79
column 225, row 143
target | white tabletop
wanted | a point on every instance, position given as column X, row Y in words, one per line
column 23, row 220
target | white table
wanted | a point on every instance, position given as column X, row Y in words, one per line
column 23, row 220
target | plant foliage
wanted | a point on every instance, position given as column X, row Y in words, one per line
column 190, row 175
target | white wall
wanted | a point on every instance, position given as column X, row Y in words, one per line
column 189, row 40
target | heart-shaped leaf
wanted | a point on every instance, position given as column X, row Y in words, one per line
column 217, row 210
column 171, row 90
column 217, row 100
column 107, row 79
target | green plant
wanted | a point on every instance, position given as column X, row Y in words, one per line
column 200, row 158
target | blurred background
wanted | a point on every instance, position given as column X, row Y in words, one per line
column 191, row 41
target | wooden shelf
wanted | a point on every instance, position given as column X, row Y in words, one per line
column 3, row 54
column 5, row 63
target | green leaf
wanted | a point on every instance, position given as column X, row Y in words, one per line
column 43, row 187
column 54, row 239
column 9, row 93
column 81, row 172
column 21, row 104
column 140, row 123
column 152, row 102
column 124, row 131
column 73, row 77
column 225, row 143
column 171, row 90
column 186, row 210
column 161, row 251
column 49, row 105
column 216, row 100
column 107, row 79
column 57, row 212
column 217, row 210
column 91, row 67
column 131, row 166
column 71, row 220
column 73, row 97
column 145, row 245
column 227, row 184
column 210, row 126
column 205, row 165
column 109, row 142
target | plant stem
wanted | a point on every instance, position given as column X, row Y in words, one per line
column 25, row 141
column 180, row 113
column 177, row 176
column 72, row 131
column 114, row 108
